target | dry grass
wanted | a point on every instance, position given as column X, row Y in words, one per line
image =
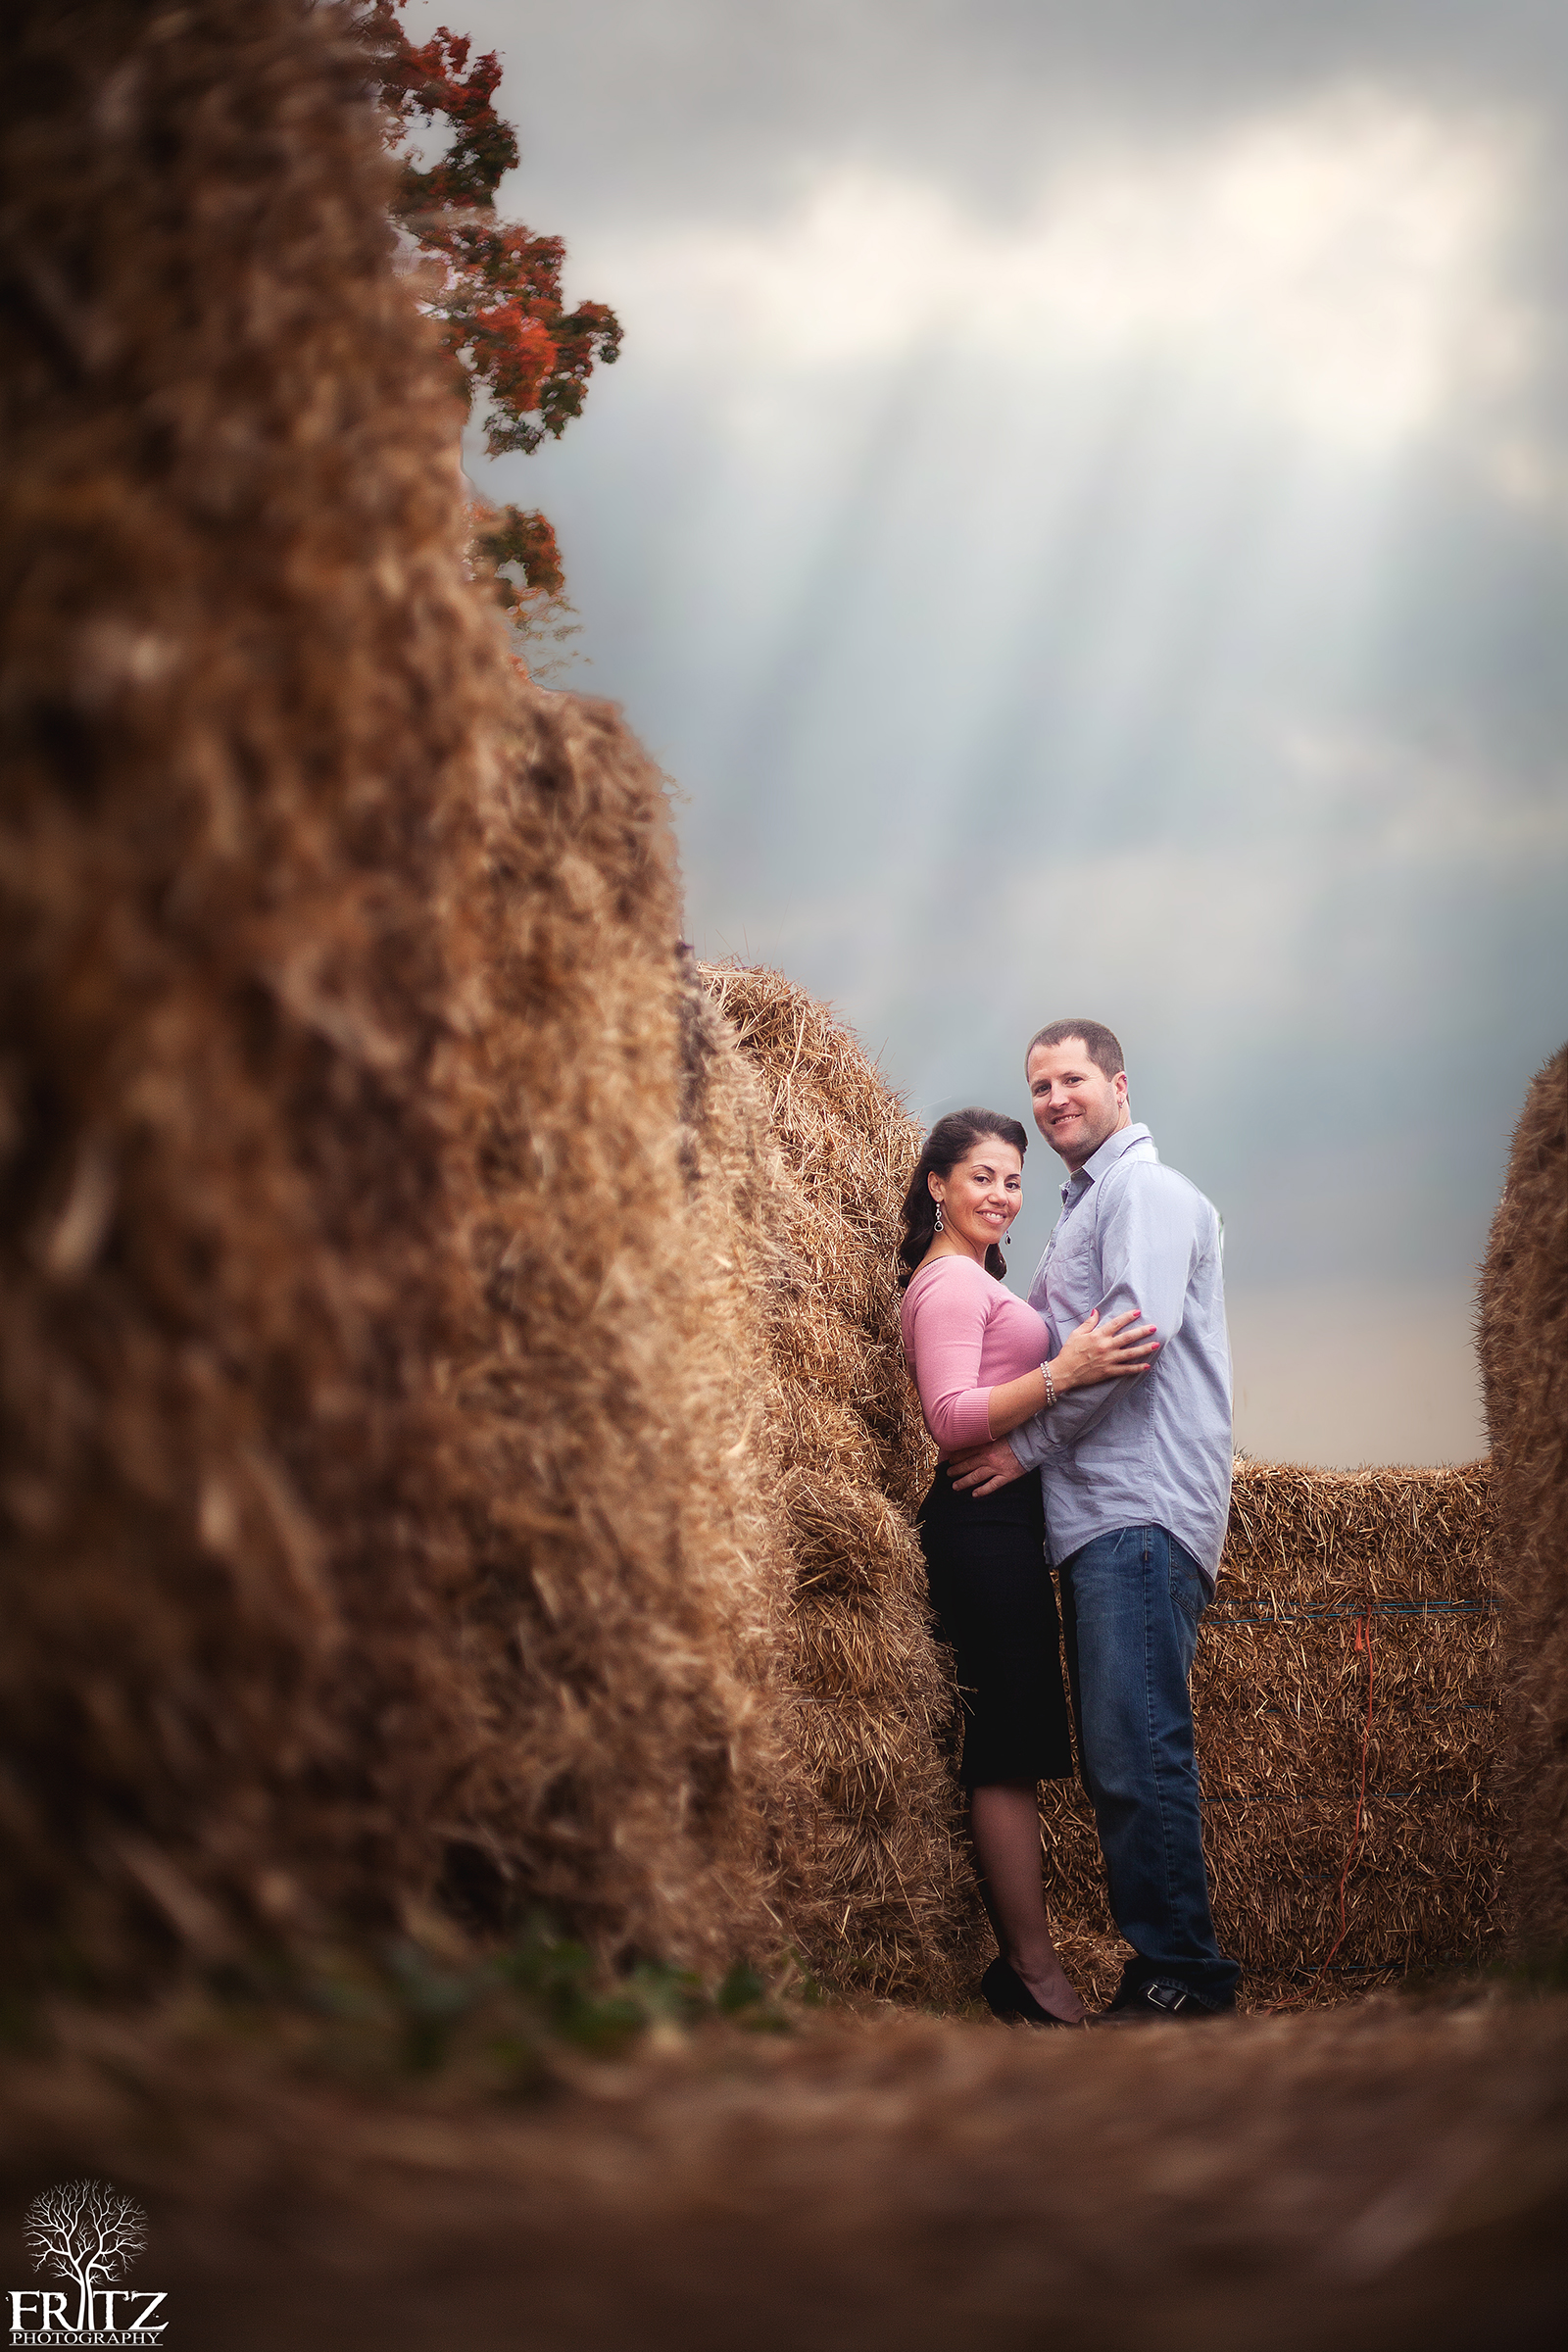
column 368, row 1535
column 807, row 1153
column 1524, row 1362
column 1379, row 2178
column 1280, row 1687
column 457, row 1446
column 1313, row 1559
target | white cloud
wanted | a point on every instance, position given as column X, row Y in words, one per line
column 1413, row 807
column 1330, row 265
column 1140, row 600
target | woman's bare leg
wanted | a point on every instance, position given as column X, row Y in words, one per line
column 1005, row 1824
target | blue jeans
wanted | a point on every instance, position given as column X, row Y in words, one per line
column 1131, row 1602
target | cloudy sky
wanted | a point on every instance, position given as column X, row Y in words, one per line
column 1082, row 515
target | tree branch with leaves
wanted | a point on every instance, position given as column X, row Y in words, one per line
column 493, row 288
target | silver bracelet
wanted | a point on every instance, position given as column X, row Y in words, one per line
column 1050, row 1387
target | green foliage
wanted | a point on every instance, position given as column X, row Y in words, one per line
column 505, row 540
column 511, row 2018
column 741, row 1989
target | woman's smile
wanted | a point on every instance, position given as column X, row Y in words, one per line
column 979, row 1197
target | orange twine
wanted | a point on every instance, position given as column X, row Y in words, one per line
column 1363, row 1640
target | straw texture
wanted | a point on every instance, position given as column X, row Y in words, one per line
column 1316, row 1563
column 881, row 1894
column 456, row 1441
column 1524, row 1363
column 367, row 1531
column 1280, row 1686
column 1387, row 2176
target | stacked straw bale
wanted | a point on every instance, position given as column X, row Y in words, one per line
column 1524, row 1362
column 366, row 1530
column 1317, row 1563
column 811, row 1152
column 1280, row 1687
column 1329, row 1577
column 455, row 1438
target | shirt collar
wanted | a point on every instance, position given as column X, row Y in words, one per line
column 1110, row 1152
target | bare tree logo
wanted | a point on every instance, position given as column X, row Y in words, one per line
column 87, row 2232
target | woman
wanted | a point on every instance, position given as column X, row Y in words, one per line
column 978, row 1355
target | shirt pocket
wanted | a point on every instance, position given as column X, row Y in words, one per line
column 1073, row 1276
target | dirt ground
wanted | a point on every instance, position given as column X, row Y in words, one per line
column 1378, row 2176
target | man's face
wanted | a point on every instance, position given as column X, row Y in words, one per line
column 1075, row 1104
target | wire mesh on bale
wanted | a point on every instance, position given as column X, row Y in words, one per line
column 365, row 1526
column 811, row 1152
column 1524, row 1362
column 1350, row 1649
column 1345, row 1699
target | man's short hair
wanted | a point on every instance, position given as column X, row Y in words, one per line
column 1099, row 1043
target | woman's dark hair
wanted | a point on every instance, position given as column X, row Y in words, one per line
column 951, row 1139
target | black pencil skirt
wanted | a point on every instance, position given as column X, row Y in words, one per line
column 996, row 1608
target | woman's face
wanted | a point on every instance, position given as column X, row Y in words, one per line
column 982, row 1195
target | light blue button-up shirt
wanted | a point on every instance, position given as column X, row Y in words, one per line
column 1154, row 1449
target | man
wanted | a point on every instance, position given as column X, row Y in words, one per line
column 1137, row 1477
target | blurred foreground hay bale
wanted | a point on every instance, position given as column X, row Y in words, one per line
column 1380, row 2179
column 804, row 1153
column 367, row 1527
column 1524, row 1364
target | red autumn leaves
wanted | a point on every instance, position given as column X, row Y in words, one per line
column 495, row 288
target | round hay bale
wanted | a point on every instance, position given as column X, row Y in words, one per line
column 1524, row 1366
column 366, row 1532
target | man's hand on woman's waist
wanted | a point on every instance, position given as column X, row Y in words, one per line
column 982, row 1469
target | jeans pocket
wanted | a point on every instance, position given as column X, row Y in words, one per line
column 1189, row 1595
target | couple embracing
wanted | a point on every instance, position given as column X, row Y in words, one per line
column 1091, row 1428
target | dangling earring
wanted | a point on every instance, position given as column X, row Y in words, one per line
column 939, row 1216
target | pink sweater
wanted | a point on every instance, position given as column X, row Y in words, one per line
column 964, row 1333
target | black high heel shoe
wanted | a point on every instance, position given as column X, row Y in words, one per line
column 1008, row 1997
